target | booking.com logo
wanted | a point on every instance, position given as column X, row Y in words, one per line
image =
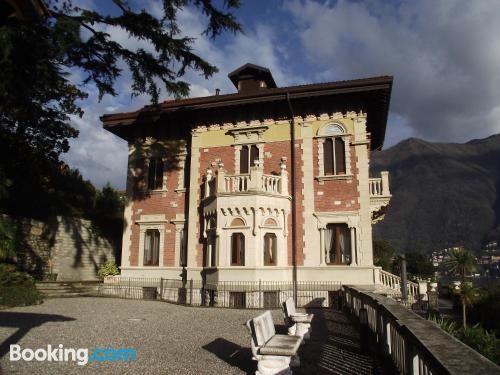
column 80, row 356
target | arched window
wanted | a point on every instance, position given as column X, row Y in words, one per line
column 337, row 244
column 155, row 174
column 270, row 249
column 332, row 141
column 237, row 222
column 151, row 247
column 237, row 249
column 270, row 222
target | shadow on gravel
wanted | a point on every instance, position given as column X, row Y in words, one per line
column 233, row 354
column 24, row 322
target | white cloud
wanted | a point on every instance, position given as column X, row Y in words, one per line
column 444, row 55
column 101, row 156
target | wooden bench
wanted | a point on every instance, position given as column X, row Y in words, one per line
column 299, row 324
column 275, row 353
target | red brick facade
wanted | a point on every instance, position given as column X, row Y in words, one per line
column 343, row 191
column 167, row 202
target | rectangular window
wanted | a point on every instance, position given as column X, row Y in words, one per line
column 237, row 249
column 270, row 245
column 183, row 244
column 155, row 174
column 248, row 155
column 151, row 247
column 237, row 300
column 338, row 244
column 334, row 162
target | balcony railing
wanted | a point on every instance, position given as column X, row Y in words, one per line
column 416, row 346
column 379, row 187
column 254, row 182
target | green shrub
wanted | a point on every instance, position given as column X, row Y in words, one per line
column 108, row 269
column 482, row 341
column 17, row 288
column 476, row 337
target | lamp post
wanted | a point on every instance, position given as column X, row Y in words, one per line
column 404, row 279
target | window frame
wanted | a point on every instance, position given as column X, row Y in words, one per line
column 337, row 251
column 274, row 249
column 240, row 255
column 248, row 154
column 158, row 181
column 154, row 249
column 323, row 137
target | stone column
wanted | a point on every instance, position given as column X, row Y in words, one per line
column 322, row 246
column 221, row 178
column 194, row 193
column 284, row 177
column 256, row 174
column 385, row 183
column 354, row 248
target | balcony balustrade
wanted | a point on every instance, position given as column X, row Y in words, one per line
column 256, row 182
column 380, row 195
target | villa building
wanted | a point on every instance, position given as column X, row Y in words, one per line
column 266, row 183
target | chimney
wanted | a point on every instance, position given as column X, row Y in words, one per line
column 252, row 78
column 217, row 91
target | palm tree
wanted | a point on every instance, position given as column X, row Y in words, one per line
column 468, row 295
column 461, row 261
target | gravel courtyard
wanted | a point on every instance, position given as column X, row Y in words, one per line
column 168, row 339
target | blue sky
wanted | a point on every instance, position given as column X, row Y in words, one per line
column 444, row 56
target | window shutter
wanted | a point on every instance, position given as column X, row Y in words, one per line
column 339, row 156
column 244, row 160
column 328, row 157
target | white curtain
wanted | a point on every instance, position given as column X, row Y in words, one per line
column 147, row 248
column 156, row 247
column 329, row 233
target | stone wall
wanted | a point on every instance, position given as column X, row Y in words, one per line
column 70, row 247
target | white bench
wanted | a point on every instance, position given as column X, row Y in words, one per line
column 275, row 353
column 299, row 324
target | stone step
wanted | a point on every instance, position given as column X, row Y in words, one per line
column 68, row 289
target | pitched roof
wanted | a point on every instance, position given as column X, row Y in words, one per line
column 377, row 89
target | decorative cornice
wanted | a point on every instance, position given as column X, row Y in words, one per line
column 277, row 121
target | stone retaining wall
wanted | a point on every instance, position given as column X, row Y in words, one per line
column 70, row 247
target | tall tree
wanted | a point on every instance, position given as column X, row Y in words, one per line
column 38, row 94
column 468, row 295
column 460, row 261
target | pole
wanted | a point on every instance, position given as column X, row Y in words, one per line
column 294, row 200
column 404, row 279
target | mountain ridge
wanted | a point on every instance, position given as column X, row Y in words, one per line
column 444, row 194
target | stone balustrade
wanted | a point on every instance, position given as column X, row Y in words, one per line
column 379, row 187
column 254, row 182
column 415, row 345
column 393, row 282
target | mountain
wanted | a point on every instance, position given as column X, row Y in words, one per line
column 443, row 194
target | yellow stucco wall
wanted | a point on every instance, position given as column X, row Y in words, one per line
column 276, row 132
